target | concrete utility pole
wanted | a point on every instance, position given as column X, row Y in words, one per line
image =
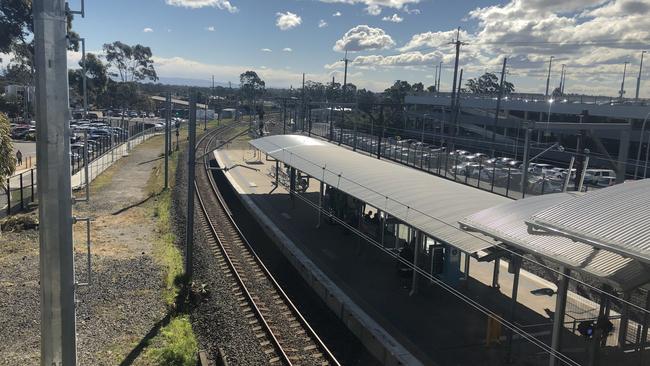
column 454, row 113
column 304, row 106
column 621, row 93
column 496, row 114
column 548, row 77
column 638, row 79
column 58, row 333
column 191, row 163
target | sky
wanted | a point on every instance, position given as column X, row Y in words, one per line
column 386, row 40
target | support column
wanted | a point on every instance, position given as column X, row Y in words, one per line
column 292, row 183
column 416, row 251
column 623, row 150
column 320, row 203
column 560, row 310
column 625, row 317
column 495, row 274
column 396, row 232
column 516, row 269
column 383, row 227
column 467, row 258
column 56, row 262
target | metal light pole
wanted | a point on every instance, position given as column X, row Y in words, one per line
column 638, row 79
column 439, row 75
column 524, row 173
column 548, row 77
column 496, row 115
column 562, row 79
column 56, row 262
column 435, row 78
column 622, row 91
column 83, row 76
column 167, row 120
column 191, row 163
column 638, row 151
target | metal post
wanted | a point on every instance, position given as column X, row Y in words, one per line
column 31, row 174
column 83, row 77
column 416, row 250
column 86, row 162
column 167, row 121
column 57, row 283
column 191, row 163
column 548, row 78
column 638, row 79
column 496, row 114
column 22, row 198
column 568, row 176
column 495, row 273
column 560, row 309
column 516, row 263
column 638, row 150
column 320, row 203
column 524, row 173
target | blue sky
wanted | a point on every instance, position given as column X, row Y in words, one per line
column 404, row 39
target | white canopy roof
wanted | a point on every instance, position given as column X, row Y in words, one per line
column 507, row 223
column 616, row 218
column 431, row 204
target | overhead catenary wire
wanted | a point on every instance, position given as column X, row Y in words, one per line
column 478, row 237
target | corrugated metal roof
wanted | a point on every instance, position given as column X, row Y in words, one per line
column 616, row 218
column 507, row 223
column 431, row 204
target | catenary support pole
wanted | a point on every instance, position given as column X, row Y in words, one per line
column 57, row 283
column 167, row 120
column 191, row 163
column 638, row 79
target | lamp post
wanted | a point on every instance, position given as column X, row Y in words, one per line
column 638, row 79
column 638, row 151
column 548, row 117
column 548, row 77
column 622, row 91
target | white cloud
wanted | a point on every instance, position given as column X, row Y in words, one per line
column 210, row 28
column 287, row 49
column 373, row 9
column 373, row 5
column 148, row 30
column 322, row 23
column 288, row 20
column 362, row 38
column 337, row 14
column 394, row 19
column 266, row 50
column 195, row 4
column 408, row 10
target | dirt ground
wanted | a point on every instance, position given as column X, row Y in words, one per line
column 124, row 301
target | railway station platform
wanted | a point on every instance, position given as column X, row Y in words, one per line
column 429, row 327
column 458, row 320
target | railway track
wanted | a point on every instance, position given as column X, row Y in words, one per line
column 283, row 334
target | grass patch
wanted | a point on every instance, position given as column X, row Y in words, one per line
column 176, row 344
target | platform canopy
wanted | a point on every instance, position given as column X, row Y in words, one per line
column 177, row 101
column 616, row 219
column 428, row 203
column 507, row 224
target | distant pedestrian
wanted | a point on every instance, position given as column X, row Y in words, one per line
column 19, row 157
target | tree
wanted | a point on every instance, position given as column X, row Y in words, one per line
column 96, row 79
column 557, row 92
column 431, row 89
column 488, row 84
column 251, row 86
column 7, row 159
column 398, row 91
column 133, row 63
column 418, row 87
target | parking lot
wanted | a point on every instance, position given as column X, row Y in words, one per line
column 502, row 175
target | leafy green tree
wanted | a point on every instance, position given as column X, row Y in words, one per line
column 431, row 89
column 418, row 87
column 398, row 91
column 7, row 159
column 96, row 79
column 133, row 63
column 251, row 86
column 488, row 84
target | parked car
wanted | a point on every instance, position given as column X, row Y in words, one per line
column 600, row 177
